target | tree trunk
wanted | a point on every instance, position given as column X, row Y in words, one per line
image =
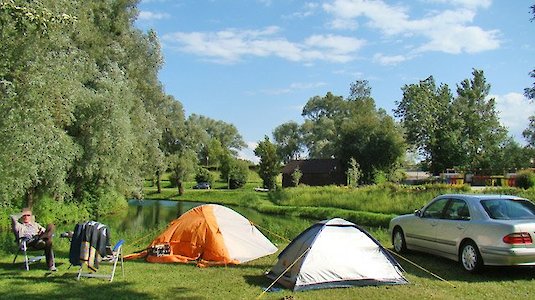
column 158, row 182
column 30, row 197
column 180, row 187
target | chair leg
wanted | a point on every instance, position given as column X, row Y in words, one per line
column 16, row 255
column 80, row 272
column 25, row 249
column 122, row 264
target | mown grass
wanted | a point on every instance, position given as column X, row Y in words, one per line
column 176, row 281
column 158, row 281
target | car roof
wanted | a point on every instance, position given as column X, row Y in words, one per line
column 477, row 197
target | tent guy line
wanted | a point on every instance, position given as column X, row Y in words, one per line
column 282, row 274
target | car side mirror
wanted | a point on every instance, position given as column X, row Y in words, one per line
column 418, row 213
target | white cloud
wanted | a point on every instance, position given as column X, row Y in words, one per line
column 309, row 9
column 231, row 45
column 447, row 31
column 296, row 86
column 151, row 16
column 514, row 111
column 466, row 3
column 389, row 60
column 248, row 153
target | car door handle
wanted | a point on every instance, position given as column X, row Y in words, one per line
column 460, row 226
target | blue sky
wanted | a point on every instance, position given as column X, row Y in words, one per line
column 255, row 63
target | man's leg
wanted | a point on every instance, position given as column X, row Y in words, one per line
column 49, row 252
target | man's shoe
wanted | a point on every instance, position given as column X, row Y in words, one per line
column 52, row 269
column 67, row 234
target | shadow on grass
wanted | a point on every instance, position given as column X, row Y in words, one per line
column 39, row 283
column 450, row 270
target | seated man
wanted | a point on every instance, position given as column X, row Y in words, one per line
column 38, row 237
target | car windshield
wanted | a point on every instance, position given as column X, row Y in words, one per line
column 509, row 209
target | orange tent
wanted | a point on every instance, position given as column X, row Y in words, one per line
column 208, row 234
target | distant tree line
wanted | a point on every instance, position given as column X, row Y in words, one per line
column 459, row 131
column 83, row 115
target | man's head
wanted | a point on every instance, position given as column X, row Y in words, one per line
column 26, row 215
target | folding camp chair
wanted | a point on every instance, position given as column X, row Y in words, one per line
column 23, row 247
column 113, row 258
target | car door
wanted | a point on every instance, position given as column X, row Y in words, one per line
column 451, row 227
column 423, row 232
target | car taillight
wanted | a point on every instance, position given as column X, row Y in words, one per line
column 518, row 238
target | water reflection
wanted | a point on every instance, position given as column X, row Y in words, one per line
column 148, row 214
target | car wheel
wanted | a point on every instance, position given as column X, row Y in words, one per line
column 398, row 240
column 470, row 258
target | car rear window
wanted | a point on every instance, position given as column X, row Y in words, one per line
column 509, row 209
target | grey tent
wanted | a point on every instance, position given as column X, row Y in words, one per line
column 335, row 253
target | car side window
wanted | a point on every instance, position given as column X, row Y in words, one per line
column 435, row 209
column 457, row 210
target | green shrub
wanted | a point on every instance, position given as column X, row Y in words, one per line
column 525, row 179
column 204, row 175
column 48, row 210
column 104, row 202
column 238, row 174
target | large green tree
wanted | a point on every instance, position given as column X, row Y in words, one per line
column 368, row 135
column 288, row 140
column 462, row 131
column 341, row 128
column 269, row 165
column 429, row 125
column 319, row 130
column 38, row 77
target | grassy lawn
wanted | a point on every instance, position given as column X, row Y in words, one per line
column 162, row 281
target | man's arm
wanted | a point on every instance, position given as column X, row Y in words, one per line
column 15, row 222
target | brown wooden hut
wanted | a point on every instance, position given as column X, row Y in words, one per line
column 316, row 172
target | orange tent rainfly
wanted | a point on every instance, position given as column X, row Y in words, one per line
column 208, row 234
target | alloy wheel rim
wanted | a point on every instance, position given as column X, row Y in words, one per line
column 398, row 241
column 469, row 257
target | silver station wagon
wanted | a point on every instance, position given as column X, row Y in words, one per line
column 474, row 230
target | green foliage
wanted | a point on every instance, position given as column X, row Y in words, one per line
column 525, row 179
column 379, row 177
column 217, row 138
column 103, row 201
column 288, row 140
column 449, row 131
column 529, row 133
column 352, row 127
column 238, row 174
column 204, row 175
column 182, row 164
column 268, row 168
column 296, row 176
column 353, row 173
column 49, row 211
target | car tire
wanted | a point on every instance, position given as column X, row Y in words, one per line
column 398, row 240
column 470, row 258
